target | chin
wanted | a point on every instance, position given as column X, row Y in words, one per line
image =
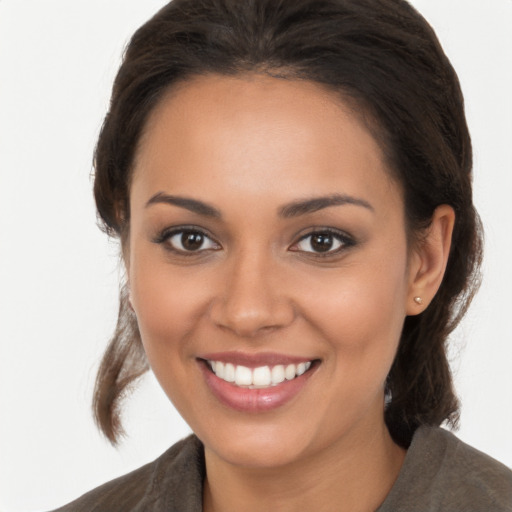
column 259, row 451
column 265, row 444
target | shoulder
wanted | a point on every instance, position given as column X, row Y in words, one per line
column 172, row 482
column 466, row 475
column 441, row 472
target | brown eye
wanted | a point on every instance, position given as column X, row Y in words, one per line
column 190, row 241
column 323, row 242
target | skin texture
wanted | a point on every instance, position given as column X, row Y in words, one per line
column 247, row 146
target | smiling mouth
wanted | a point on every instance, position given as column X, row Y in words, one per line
column 260, row 377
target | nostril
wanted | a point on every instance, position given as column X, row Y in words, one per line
column 250, row 318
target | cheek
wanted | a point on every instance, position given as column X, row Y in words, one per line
column 362, row 309
column 168, row 303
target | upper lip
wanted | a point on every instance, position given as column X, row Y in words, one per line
column 254, row 360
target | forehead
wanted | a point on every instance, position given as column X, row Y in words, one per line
column 259, row 135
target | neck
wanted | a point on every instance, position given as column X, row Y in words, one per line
column 354, row 474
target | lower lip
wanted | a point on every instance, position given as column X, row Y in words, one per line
column 254, row 400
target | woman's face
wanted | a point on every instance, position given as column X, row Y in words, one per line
column 267, row 245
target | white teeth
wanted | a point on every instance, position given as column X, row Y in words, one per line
column 290, row 372
column 243, row 376
column 301, row 368
column 229, row 373
column 278, row 374
column 219, row 369
column 260, row 377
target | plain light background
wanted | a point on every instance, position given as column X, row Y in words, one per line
column 59, row 273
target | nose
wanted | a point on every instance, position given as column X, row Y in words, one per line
column 252, row 300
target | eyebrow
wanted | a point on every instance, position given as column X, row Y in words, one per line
column 293, row 209
column 303, row 207
column 188, row 203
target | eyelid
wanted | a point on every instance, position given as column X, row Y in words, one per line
column 344, row 238
column 166, row 234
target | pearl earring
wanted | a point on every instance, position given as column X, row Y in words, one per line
column 418, row 300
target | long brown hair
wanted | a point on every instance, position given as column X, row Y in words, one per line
column 383, row 58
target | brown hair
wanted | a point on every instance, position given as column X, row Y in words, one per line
column 382, row 56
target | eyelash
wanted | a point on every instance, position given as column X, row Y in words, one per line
column 345, row 242
column 164, row 238
column 166, row 235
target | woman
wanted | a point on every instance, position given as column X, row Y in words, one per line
column 291, row 185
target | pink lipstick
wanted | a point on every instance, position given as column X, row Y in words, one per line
column 255, row 382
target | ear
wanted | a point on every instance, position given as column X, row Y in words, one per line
column 428, row 260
